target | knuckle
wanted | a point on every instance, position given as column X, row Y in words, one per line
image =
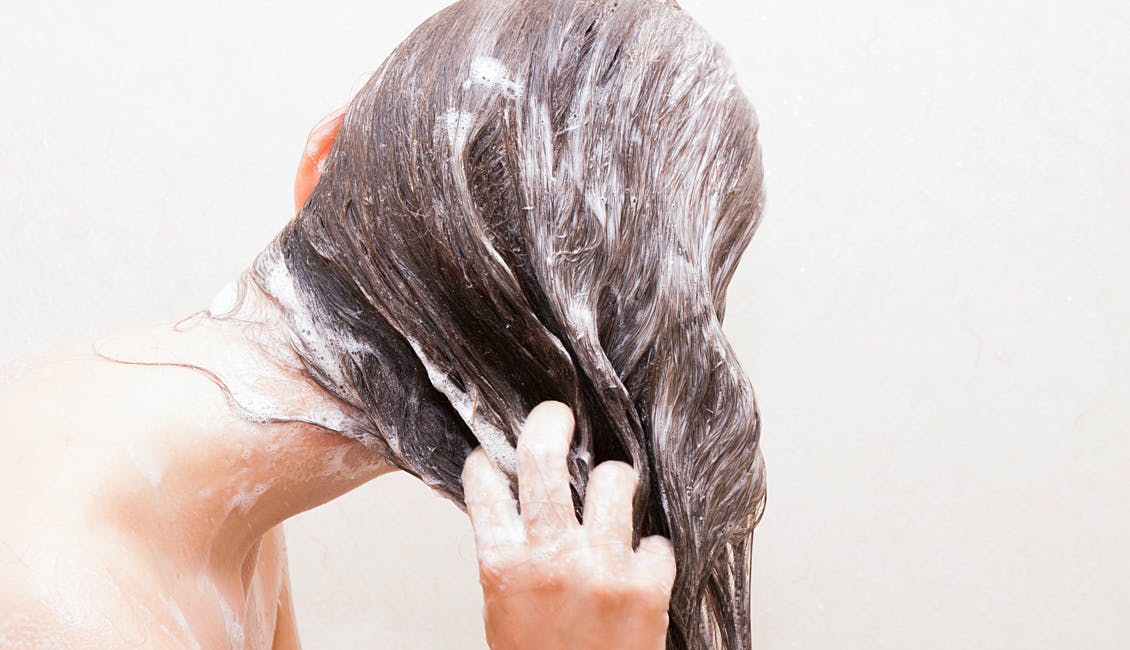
column 623, row 591
column 542, row 448
column 606, row 592
column 493, row 562
column 546, row 579
column 653, row 592
column 655, row 596
column 497, row 568
column 540, row 512
column 490, row 578
column 649, row 594
column 658, row 547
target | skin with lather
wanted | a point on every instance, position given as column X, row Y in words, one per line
column 140, row 511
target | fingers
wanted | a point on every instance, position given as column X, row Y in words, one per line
column 543, row 476
column 494, row 516
column 608, row 503
column 656, row 559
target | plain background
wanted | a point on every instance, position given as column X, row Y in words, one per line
column 935, row 311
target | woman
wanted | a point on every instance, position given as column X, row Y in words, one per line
column 507, row 277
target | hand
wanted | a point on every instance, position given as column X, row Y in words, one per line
column 550, row 583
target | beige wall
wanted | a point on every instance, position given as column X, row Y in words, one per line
column 935, row 312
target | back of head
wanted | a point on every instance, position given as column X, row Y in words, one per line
column 537, row 200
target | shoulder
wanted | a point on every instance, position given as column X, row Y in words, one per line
column 52, row 598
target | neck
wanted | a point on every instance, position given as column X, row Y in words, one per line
column 221, row 467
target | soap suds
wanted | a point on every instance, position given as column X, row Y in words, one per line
column 280, row 285
column 247, row 496
column 226, row 300
column 182, row 623
column 489, row 71
column 493, row 439
column 150, row 464
column 232, row 622
column 458, row 125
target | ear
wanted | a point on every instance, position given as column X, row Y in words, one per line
column 314, row 156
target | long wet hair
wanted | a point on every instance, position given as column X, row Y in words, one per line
column 546, row 199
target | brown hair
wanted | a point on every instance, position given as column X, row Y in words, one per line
column 537, row 200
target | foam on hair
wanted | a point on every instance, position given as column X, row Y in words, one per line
column 536, row 200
